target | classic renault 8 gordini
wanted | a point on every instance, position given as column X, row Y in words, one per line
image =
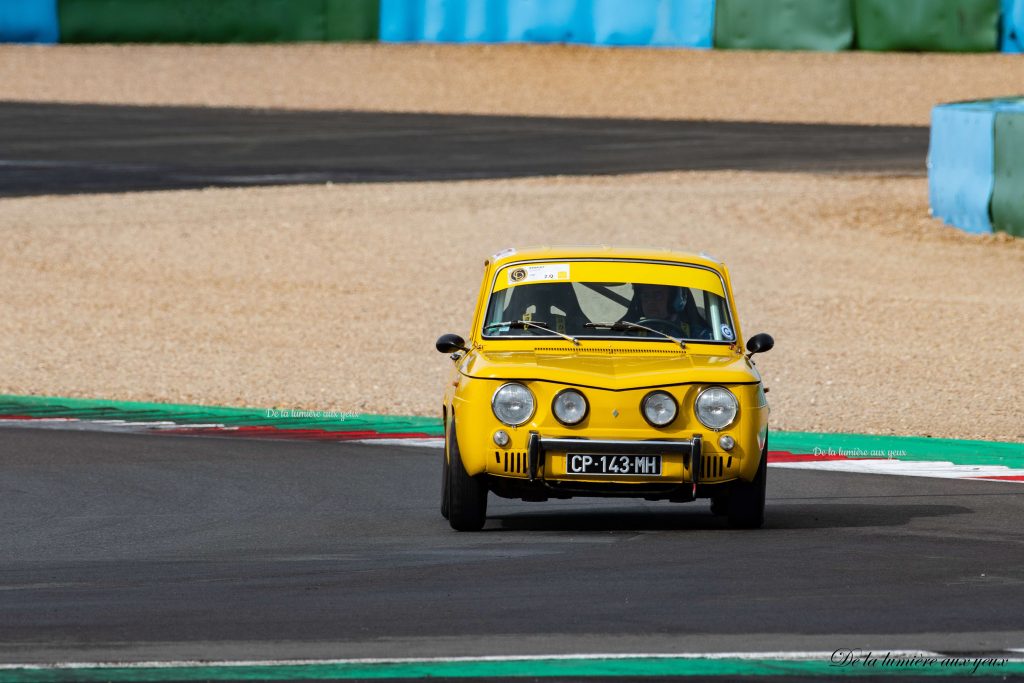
column 593, row 371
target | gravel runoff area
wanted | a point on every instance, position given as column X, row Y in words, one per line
column 331, row 297
column 557, row 80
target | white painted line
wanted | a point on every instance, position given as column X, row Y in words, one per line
column 795, row 655
column 200, row 425
column 72, row 424
column 76, row 424
column 429, row 442
column 129, row 424
column 909, row 468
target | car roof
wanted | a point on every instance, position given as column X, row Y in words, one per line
column 603, row 251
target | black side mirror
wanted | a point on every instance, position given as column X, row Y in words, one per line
column 760, row 343
column 450, row 343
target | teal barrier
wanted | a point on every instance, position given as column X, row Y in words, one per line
column 960, row 154
column 28, row 21
column 975, row 165
column 1011, row 36
column 664, row 23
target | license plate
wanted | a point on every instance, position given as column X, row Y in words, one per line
column 616, row 465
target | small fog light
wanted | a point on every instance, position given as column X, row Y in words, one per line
column 726, row 442
column 501, row 438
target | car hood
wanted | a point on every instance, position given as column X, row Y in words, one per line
column 608, row 369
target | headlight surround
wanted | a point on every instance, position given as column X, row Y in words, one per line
column 513, row 404
column 570, row 407
column 659, row 408
column 716, row 408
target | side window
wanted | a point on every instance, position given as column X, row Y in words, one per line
column 499, row 305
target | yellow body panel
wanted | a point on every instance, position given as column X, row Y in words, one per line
column 613, row 374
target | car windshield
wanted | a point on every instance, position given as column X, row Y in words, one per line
column 608, row 299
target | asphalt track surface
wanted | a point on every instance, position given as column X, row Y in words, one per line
column 135, row 547
column 61, row 148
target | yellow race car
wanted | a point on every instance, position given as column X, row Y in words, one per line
column 604, row 372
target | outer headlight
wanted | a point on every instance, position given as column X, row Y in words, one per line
column 659, row 408
column 513, row 404
column 716, row 407
column 569, row 407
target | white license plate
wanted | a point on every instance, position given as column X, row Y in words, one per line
column 613, row 465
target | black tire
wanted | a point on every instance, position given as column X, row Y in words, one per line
column 746, row 501
column 467, row 496
column 444, row 481
column 720, row 504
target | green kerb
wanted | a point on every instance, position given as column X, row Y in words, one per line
column 904, row 448
column 281, row 418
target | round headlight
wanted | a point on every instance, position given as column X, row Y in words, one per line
column 659, row 408
column 716, row 407
column 569, row 407
column 513, row 404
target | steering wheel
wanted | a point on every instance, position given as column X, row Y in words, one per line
column 669, row 327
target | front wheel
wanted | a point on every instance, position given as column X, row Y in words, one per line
column 720, row 505
column 746, row 500
column 445, row 476
column 467, row 496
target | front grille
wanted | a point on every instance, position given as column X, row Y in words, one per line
column 712, row 467
column 514, row 462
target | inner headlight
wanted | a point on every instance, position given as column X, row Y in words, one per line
column 569, row 406
column 659, row 408
column 513, row 404
column 716, row 407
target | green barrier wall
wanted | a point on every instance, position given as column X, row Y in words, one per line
column 216, row 21
column 927, row 25
column 1008, row 190
column 352, row 20
column 784, row 24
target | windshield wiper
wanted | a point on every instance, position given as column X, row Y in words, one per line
column 525, row 324
column 624, row 325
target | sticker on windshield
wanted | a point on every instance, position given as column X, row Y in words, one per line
column 547, row 272
column 727, row 332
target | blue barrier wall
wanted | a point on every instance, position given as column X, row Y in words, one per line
column 28, row 21
column 960, row 164
column 1011, row 38
column 663, row 23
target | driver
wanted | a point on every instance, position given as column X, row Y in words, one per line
column 671, row 304
column 654, row 302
